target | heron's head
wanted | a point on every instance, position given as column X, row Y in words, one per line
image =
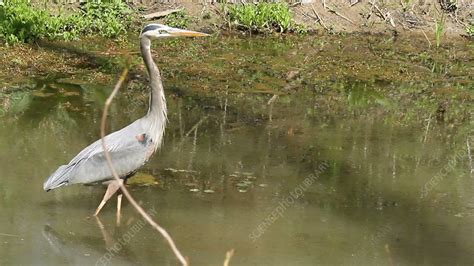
column 155, row 31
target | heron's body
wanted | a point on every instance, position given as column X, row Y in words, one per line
column 131, row 146
column 89, row 166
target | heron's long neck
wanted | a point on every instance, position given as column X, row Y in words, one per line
column 156, row 115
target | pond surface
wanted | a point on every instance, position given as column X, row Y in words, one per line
column 341, row 172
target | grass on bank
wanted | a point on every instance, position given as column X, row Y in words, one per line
column 470, row 30
column 20, row 21
column 178, row 20
column 262, row 17
column 439, row 30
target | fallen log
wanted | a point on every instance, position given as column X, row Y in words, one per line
column 161, row 14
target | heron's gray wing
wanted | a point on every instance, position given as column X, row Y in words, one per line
column 129, row 149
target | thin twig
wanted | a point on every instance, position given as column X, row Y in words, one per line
column 320, row 20
column 310, row 16
column 341, row 15
column 379, row 11
column 371, row 10
column 429, row 43
column 228, row 257
column 390, row 19
column 455, row 17
column 140, row 210
column 295, row 4
column 332, row 10
column 354, row 3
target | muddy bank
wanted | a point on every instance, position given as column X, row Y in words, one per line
column 337, row 16
column 398, row 77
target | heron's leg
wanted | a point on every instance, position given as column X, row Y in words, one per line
column 119, row 198
column 119, row 207
column 111, row 189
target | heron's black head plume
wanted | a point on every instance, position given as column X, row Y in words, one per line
column 151, row 27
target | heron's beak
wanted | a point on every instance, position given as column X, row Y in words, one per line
column 187, row 33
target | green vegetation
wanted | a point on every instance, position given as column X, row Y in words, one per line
column 177, row 20
column 439, row 30
column 405, row 4
column 263, row 17
column 470, row 30
column 21, row 22
column 108, row 19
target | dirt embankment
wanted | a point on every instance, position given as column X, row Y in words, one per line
column 452, row 18
column 349, row 16
column 393, row 16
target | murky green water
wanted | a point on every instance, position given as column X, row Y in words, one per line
column 337, row 173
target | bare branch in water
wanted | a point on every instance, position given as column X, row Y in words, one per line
column 228, row 257
column 140, row 210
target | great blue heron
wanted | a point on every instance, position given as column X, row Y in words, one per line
column 131, row 146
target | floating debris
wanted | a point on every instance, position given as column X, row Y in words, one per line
column 71, row 93
column 180, row 170
column 209, row 191
column 236, row 173
column 242, row 184
column 263, row 185
column 142, row 179
column 42, row 94
column 194, row 190
column 242, row 190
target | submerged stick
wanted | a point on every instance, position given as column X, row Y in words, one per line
column 228, row 256
column 270, row 103
column 469, row 156
column 191, row 130
column 140, row 210
column 10, row 235
column 427, row 128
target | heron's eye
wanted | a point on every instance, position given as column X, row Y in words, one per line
column 162, row 32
